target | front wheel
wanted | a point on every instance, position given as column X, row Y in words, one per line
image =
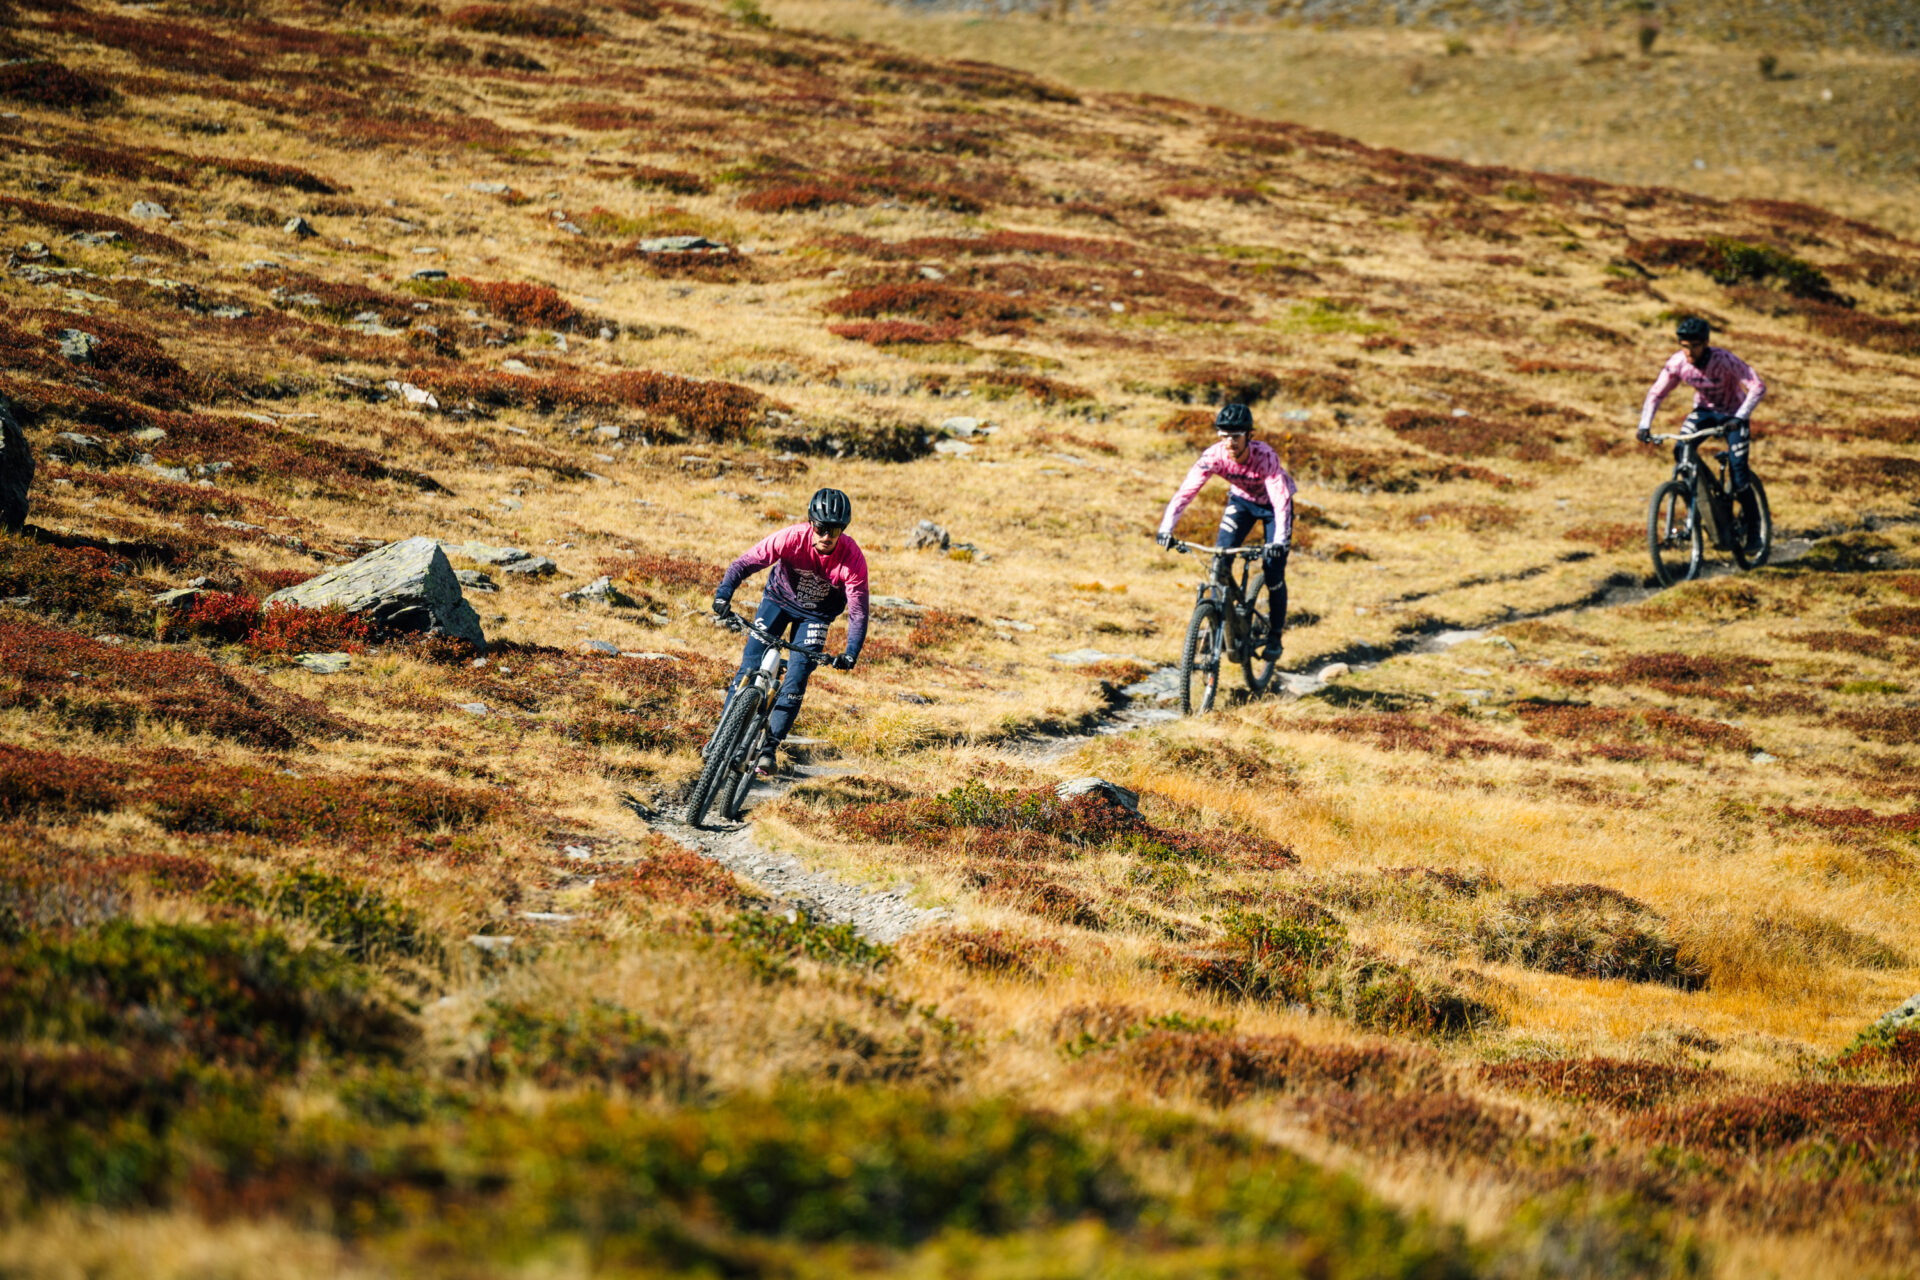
column 737, row 787
column 722, row 750
column 1673, row 534
column 1200, row 660
column 1253, row 637
column 1752, row 527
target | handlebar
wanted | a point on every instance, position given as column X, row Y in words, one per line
column 734, row 622
column 1244, row 553
column 1689, row 437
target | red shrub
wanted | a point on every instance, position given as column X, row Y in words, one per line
column 1878, row 471
column 714, row 410
column 290, row 629
column 1473, row 437
column 1635, row 726
column 1608, row 537
column 792, row 199
column 1210, row 191
column 1025, row 889
column 1837, row 642
column 676, row 181
column 1221, row 383
column 358, row 810
column 1878, row 1117
column 533, row 305
column 670, row 572
column 1896, row 1051
column 673, row 876
column 269, row 174
column 546, row 22
column 1223, row 1069
column 1628, row 1085
column 1890, row 430
column 77, row 581
column 599, row 117
column 67, row 218
column 930, row 301
column 107, row 688
column 1894, row 725
column 1442, row 1123
column 48, row 84
column 1398, row 731
column 994, row 951
column 227, row 616
column 1894, row 620
column 888, row 332
column 43, row 784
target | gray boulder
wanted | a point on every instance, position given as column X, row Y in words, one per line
column 77, row 345
column 1128, row 800
column 299, row 229
column 1907, row 1015
column 601, row 591
column 928, row 534
column 531, row 567
column 16, row 470
column 403, row 587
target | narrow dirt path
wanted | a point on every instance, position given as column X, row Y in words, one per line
column 883, row 916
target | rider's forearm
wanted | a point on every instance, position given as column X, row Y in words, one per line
column 1280, row 491
column 1755, row 390
column 1183, row 497
column 856, row 621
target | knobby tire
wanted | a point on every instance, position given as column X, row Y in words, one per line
column 1201, row 656
column 1674, row 561
column 1754, row 544
column 736, row 797
column 1260, row 623
column 733, row 723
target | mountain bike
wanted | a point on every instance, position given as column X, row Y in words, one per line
column 1230, row 620
column 1698, row 503
column 728, row 774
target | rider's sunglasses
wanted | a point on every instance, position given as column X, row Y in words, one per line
column 829, row 530
column 1233, row 435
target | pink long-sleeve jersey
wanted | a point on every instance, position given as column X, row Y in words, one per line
column 806, row 581
column 1726, row 385
column 1261, row 480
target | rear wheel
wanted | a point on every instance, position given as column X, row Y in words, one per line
column 1260, row 625
column 1673, row 534
column 1752, row 527
column 1200, row 660
column 722, row 750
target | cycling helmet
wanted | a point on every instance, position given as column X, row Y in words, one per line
column 830, row 506
column 1693, row 329
column 1233, row 419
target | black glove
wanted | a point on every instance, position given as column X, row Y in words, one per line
column 842, row 662
column 723, row 606
column 1644, row 436
column 1165, row 540
column 1275, row 554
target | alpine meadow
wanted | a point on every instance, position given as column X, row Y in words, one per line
column 1536, row 922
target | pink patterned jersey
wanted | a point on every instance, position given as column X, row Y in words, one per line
column 1726, row 385
column 1261, row 480
column 807, row 582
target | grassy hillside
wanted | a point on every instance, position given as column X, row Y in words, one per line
column 1829, row 116
column 1555, row 943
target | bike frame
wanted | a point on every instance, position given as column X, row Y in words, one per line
column 767, row 677
column 1707, row 478
column 1226, row 591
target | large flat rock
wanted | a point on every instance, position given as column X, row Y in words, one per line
column 404, row 587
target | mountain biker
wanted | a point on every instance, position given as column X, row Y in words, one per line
column 1261, row 492
column 1725, row 391
column 818, row 571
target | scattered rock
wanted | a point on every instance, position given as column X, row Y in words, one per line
column 77, row 345
column 916, row 699
column 489, row 188
column 1906, row 1015
column 16, row 471
column 953, row 448
column 494, row 944
column 577, row 852
column 324, row 664
column 413, row 395
column 80, row 448
column 547, row 917
column 148, row 211
column 1011, row 625
column 515, row 366
column 300, row 229
column 531, row 567
column 600, row 646
column 1762, row 757
column 1129, row 800
column 678, row 244
column 476, row 580
column 150, row 435
column 481, row 553
column 474, row 708
column 602, row 591
column 646, row 655
column 1333, row 671
column 178, row 598
column 430, row 273
column 97, row 238
column 403, row 587
column 966, row 427
column 928, row 534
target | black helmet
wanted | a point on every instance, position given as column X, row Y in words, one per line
column 1233, row 419
column 1693, row 329
column 830, row 506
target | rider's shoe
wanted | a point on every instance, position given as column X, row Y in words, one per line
column 1270, row 651
column 763, row 767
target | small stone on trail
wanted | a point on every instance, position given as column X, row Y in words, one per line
column 1129, row 800
column 1334, row 670
column 603, row 591
column 324, row 664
